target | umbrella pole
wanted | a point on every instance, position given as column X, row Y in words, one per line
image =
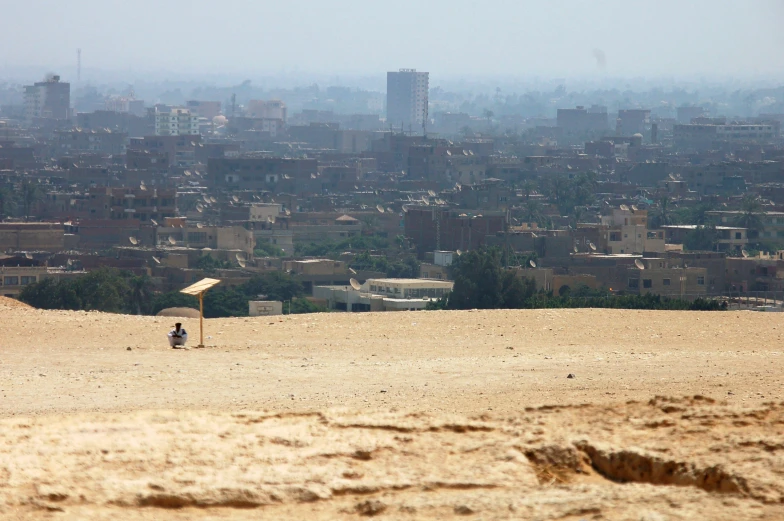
column 201, row 319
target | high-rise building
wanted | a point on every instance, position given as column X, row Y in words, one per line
column 178, row 122
column 407, row 97
column 50, row 98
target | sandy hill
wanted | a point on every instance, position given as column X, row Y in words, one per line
column 397, row 416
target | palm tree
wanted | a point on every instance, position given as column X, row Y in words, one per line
column 7, row 202
column 140, row 289
column 532, row 212
column 750, row 216
column 528, row 188
column 30, row 195
column 663, row 216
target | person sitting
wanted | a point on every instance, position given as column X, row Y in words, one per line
column 178, row 336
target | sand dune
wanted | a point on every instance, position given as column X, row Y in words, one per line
column 394, row 416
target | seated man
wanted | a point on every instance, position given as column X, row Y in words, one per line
column 177, row 336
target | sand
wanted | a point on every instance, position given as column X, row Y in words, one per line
column 669, row 415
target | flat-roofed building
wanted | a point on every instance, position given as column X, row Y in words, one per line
column 384, row 294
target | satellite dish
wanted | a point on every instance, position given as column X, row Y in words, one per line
column 236, row 199
column 354, row 284
column 312, row 176
column 639, row 264
column 356, row 187
column 634, row 208
column 154, row 222
column 532, row 263
column 576, row 250
column 405, row 209
column 624, row 208
column 213, row 200
column 187, row 173
column 745, row 254
column 133, row 240
column 142, row 187
column 239, row 258
column 172, row 241
column 242, row 263
column 353, row 271
column 206, row 198
column 199, row 208
column 431, row 193
column 28, row 255
column 459, row 253
column 270, row 219
column 69, row 262
column 199, row 225
column 380, row 208
column 390, row 210
column 592, row 246
column 156, row 260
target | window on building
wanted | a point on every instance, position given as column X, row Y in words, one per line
column 634, row 283
column 28, row 280
column 700, row 281
column 665, row 282
column 197, row 236
column 647, row 283
column 10, row 281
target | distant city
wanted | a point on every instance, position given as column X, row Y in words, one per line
column 366, row 198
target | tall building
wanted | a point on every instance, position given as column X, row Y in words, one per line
column 50, row 98
column 407, row 97
column 178, row 122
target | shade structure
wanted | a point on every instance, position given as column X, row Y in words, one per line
column 199, row 289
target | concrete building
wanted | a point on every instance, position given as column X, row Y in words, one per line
column 125, row 105
column 407, row 99
column 76, row 141
column 178, row 122
column 204, row 109
column 729, row 238
column 13, row 279
column 440, row 228
column 32, row 237
column 264, row 308
column 273, row 109
column 49, row 99
column 384, row 295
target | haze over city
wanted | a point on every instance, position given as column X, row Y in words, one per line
column 449, row 38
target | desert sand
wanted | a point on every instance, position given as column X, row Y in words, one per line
column 429, row 415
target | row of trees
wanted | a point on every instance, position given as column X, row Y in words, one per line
column 481, row 282
column 25, row 197
column 119, row 291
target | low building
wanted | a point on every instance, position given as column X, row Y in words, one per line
column 728, row 238
column 32, row 237
column 13, row 279
column 264, row 308
column 384, row 295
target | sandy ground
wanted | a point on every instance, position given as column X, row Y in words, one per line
column 409, row 415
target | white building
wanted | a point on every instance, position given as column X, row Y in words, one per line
column 384, row 294
column 178, row 122
column 50, row 98
column 407, row 99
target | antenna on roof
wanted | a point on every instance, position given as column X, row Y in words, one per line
column 639, row 264
column 532, row 263
column 133, row 240
column 745, row 254
column 354, row 284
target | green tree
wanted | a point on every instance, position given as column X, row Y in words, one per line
column 29, row 195
column 702, row 238
column 7, row 203
column 265, row 248
column 663, row 215
column 482, row 283
column 750, row 216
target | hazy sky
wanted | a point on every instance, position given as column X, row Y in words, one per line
column 445, row 37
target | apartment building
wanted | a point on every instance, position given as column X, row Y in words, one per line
column 50, row 99
column 407, row 99
column 177, row 122
column 383, row 295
